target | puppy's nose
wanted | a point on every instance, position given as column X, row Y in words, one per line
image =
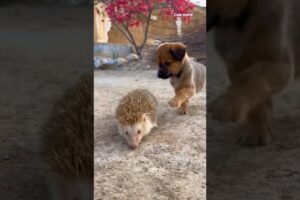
column 160, row 74
column 163, row 74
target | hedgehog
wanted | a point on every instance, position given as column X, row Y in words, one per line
column 67, row 143
column 136, row 115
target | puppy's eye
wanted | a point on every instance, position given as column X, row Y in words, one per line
column 139, row 132
column 167, row 63
column 126, row 132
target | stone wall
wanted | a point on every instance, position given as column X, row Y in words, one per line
column 102, row 24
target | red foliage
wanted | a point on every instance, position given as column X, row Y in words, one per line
column 133, row 13
column 136, row 12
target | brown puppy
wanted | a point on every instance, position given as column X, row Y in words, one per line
column 258, row 40
column 187, row 77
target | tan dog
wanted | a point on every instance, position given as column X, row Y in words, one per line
column 187, row 77
column 259, row 42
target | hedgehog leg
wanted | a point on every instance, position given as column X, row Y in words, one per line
column 154, row 125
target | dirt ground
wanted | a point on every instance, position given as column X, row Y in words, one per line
column 259, row 173
column 29, row 84
column 169, row 163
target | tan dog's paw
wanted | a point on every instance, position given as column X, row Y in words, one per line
column 228, row 108
column 256, row 130
column 257, row 138
column 174, row 103
column 182, row 111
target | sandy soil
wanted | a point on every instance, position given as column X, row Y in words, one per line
column 260, row 173
column 170, row 161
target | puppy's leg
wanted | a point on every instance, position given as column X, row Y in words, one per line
column 249, row 89
column 184, row 109
column 256, row 130
column 181, row 96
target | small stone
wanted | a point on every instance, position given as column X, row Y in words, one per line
column 133, row 57
column 121, row 61
column 158, row 189
column 97, row 62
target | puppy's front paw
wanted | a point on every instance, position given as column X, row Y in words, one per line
column 228, row 108
column 254, row 139
column 174, row 103
column 182, row 111
column 254, row 136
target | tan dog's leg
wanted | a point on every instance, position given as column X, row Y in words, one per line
column 184, row 109
column 256, row 130
column 249, row 89
column 181, row 98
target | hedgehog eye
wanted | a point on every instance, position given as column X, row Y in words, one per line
column 139, row 132
column 126, row 132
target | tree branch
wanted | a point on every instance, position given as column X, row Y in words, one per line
column 123, row 32
column 129, row 34
column 147, row 29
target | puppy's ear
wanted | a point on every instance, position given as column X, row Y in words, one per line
column 178, row 52
column 162, row 44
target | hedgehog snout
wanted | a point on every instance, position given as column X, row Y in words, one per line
column 133, row 146
column 134, row 142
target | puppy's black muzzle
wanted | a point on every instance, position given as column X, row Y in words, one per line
column 163, row 73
